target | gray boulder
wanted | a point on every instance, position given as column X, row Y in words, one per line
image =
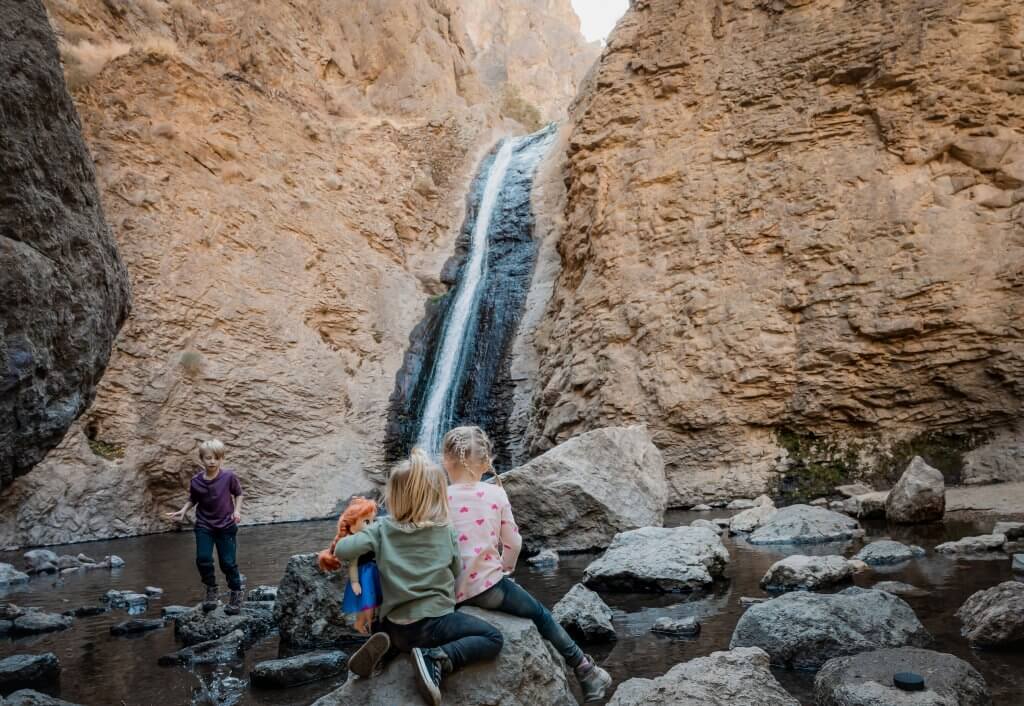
column 197, row 626
column 887, row 551
column 657, row 559
column 868, row 505
column 308, row 608
column 750, row 520
column 302, row 669
column 527, row 672
column 898, row 588
column 578, row 495
column 919, row 495
column 804, row 524
column 806, row 573
column 866, row 679
column 982, row 544
column 220, row 651
column 37, row 622
column 136, row 627
column 681, row 627
column 739, row 677
column 708, row 524
column 28, row 697
column 28, row 671
column 40, row 561
column 994, row 617
column 805, row 630
column 585, row 616
column 9, row 575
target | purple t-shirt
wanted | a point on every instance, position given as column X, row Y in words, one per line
column 214, row 499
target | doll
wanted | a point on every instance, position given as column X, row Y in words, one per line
column 362, row 594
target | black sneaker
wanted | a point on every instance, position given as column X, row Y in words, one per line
column 428, row 675
column 365, row 660
column 234, row 606
column 210, row 601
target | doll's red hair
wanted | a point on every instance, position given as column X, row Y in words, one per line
column 358, row 509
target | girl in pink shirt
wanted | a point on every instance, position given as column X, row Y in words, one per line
column 489, row 544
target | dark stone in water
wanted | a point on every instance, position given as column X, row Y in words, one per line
column 197, row 626
column 9, row 611
column 684, row 627
column 173, row 612
column 292, row 671
column 28, row 697
column 36, row 622
column 136, row 626
column 87, row 611
column 28, row 671
column 220, row 651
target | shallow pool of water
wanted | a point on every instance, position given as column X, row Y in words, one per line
column 99, row 669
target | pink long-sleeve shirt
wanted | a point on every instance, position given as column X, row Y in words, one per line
column 488, row 537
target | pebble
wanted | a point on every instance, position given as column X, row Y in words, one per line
column 747, row 601
column 136, row 626
column 153, row 591
column 701, row 508
column 546, row 557
column 683, row 627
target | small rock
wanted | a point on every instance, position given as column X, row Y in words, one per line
column 197, row 626
column 135, row 602
column 172, row 612
column 544, row 558
column 87, row 611
column 113, row 562
column 9, row 611
column 973, row 545
column 708, row 524
column 220, row 651
column 1014, row 531
column 803, row 524
column 68, row 562
column 114, row 598
column 740, row 504
column 292, row 671
column 747, row 601
column 28, row 697
column 86, row 559
column 584, row 615
column 854, row 489
column 837, row 505
column 1018, row 563
column 136, row 626
column 263, row 593
column 683, row 627
column 701, row 508
column 41, row 561
column 806, row 573
column 750, row 520
column 919, row 496
column 868, row 505
column 995, row 617
column 9, row 575
column 37, row 622
column 153, row 591
column 28, row 670
column 820, row 502
column 717, row 504
column 887, row 551
column 898, row 588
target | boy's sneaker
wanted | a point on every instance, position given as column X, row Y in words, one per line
column 234, row 606
column 365, row 660
column 210, row 600
column 594, row 681
column 431, row 665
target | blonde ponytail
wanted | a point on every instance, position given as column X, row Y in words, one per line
column 417, row 492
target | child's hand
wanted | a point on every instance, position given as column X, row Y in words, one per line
column 356, row 588
column 177, row 515
column 236, row 516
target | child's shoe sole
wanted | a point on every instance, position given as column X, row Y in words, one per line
column 424, row 684
column 364, row 661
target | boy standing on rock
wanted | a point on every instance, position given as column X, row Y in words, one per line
column 217, row 496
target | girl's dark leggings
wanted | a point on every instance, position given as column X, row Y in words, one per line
column 464, row 638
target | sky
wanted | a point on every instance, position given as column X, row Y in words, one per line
column 598, row 17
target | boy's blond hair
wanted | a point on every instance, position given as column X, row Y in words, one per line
column 470, row 444
column 213, row 447
column 417, row 492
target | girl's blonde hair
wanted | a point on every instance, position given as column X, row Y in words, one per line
column 470, row 445
column 417, row 492
column 213, row 447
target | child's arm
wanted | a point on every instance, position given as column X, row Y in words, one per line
column 179, row 515
column 511, row 542
column 355, row 545
column 236, row 492
column 353, row 578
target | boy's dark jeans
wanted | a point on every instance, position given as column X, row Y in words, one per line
column 464, row 638
column 507, row 596
column 225, row 542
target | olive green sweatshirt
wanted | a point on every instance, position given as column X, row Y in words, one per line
column 418, row 567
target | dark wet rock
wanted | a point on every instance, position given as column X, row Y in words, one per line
column 804, row 630
column 197, row 626
column 585, row 616
column 28, row 671
column 9, row 575
column 63, row 289
column 1014, row 531
column 28, row 697
column 887, row 551
column 153, row 591
column 308, row 608
column 659, row 559
column 677, row 627
column 262, row 594
column 994, row 617
column 87, row 611
column 527, row 672
column 868, row 505
column 982, row 544
column 898, row 588
column 806, row 573
column 292, row 671
column 919, row 496
column 739, row 677
column 9, row 611
column 37, row 622
column 40, row 561
column 223, row 650
column 544, row 558
column 174, row 612
column 803, row 524
column 136, row 626
column 866, row 679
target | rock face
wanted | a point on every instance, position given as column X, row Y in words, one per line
column 659, row 559
column 292, row 671
column 527, row 672
column 308, row 609
column 886, row 551
column 28, row 670
column 739, row 677
column 866, row 679
column 806, row 573
column 64, row 291
column 805, row 524
column 805, row 630
column 995, row 617
column 578, row 495
column 726, row 267
column 919, row 496
column 584, row 616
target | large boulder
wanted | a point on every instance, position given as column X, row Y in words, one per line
column 805, row 524
column 584, row 615
column 199, row 626
column 805, row 630
column 739, row 677
column 994, row 617
column 578, row 495
column 527, row 672
column 659, row 559
column 887, row 551
column 866, row 679
column 806, row 573
column 28, row 671
column 919, row 496
column 64, row 291
column 308, row 608
column 301, row 669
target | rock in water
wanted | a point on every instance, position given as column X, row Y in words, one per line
column 135, row 627
column 63, row 289
column 682, row 627
column 40, row 561
column 886, row 551
column 9, row 575
column 172, row 612
column 37, row 622
column 898, row 588
column 750, row 520
column 982, row 544
column 1014, row 531
column 578, row 495
column 866, row 679
column 28, row 670
column 739, row 677
column 308, row 609
column 292, row 671
column 867, row 505
column 659, row 559
column 197, row 626
column 806, row 573
column 919, row 496
column 805, row 630
column 527, row 672
column 28, row 697
column 545, row 558
column 585, row 616
column 994, row 617
column 220, row 651
column 804, row 524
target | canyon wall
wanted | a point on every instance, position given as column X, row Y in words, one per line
column 795, row 227
column 64, row 291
